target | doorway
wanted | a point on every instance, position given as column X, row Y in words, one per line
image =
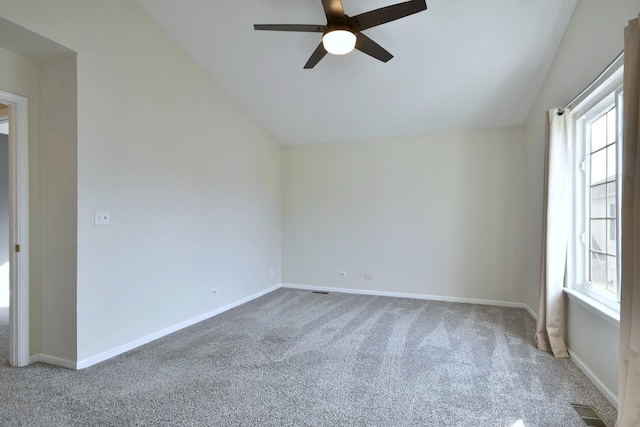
column 14, row 230
column 4, row 234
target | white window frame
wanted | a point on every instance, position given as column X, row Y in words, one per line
column 598, row 101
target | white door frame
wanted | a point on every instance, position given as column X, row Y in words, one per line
column 18, row 228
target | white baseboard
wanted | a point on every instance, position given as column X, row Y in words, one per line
column 408, row 295
column 531, row 312
column 610, row 395
column 50, row 360
column 159, row 334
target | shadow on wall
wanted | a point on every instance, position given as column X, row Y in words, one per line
column 4, row 220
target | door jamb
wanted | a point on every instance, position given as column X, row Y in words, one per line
column 18, row 228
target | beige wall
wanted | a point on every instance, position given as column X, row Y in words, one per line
column 20, row 75
column 433, row 215
column 59, row 206
column 595, row 342
column 593, row 39
column 192, row 183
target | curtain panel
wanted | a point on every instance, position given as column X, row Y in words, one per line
column 556, row 226
column 629, row 375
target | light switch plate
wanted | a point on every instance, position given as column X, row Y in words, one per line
column 102, row 218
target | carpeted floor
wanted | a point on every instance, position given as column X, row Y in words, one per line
column 297, row 358
column 4, row 337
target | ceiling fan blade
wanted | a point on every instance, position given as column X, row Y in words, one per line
column 317, row 55
column 304, row 28
column 386, row 14
column 334, row 11
column 371, row 48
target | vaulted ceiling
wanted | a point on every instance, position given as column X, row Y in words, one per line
column 462, row 64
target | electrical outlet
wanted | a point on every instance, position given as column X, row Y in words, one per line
column 368, row 276
column 273, row 273
column 214, row 291
column 342, row 274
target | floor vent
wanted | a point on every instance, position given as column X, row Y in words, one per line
column 320, row 292
column 589, row 416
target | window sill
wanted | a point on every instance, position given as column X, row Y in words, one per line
column 610, row 315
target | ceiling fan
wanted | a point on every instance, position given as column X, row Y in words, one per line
column 342, row 33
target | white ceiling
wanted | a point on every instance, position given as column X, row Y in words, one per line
column 462, row 64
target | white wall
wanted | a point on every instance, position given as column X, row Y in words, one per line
column 192, row 183
column 433, row 215
column 593, row 38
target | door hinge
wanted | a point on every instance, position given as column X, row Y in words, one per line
column 17, row 248
column 583, row 166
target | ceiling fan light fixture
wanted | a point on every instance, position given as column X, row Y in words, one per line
column 339, row 42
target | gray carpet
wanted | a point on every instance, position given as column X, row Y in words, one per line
column 296, row 358
column 4, row 338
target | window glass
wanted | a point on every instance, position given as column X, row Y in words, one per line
column 602, row 201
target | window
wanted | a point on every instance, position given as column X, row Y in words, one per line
column 594, row 253
column 602, row 192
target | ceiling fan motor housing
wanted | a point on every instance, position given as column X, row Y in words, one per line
column 336, row 27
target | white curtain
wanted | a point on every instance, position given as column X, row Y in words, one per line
column 556, row 226
column 629, row 375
